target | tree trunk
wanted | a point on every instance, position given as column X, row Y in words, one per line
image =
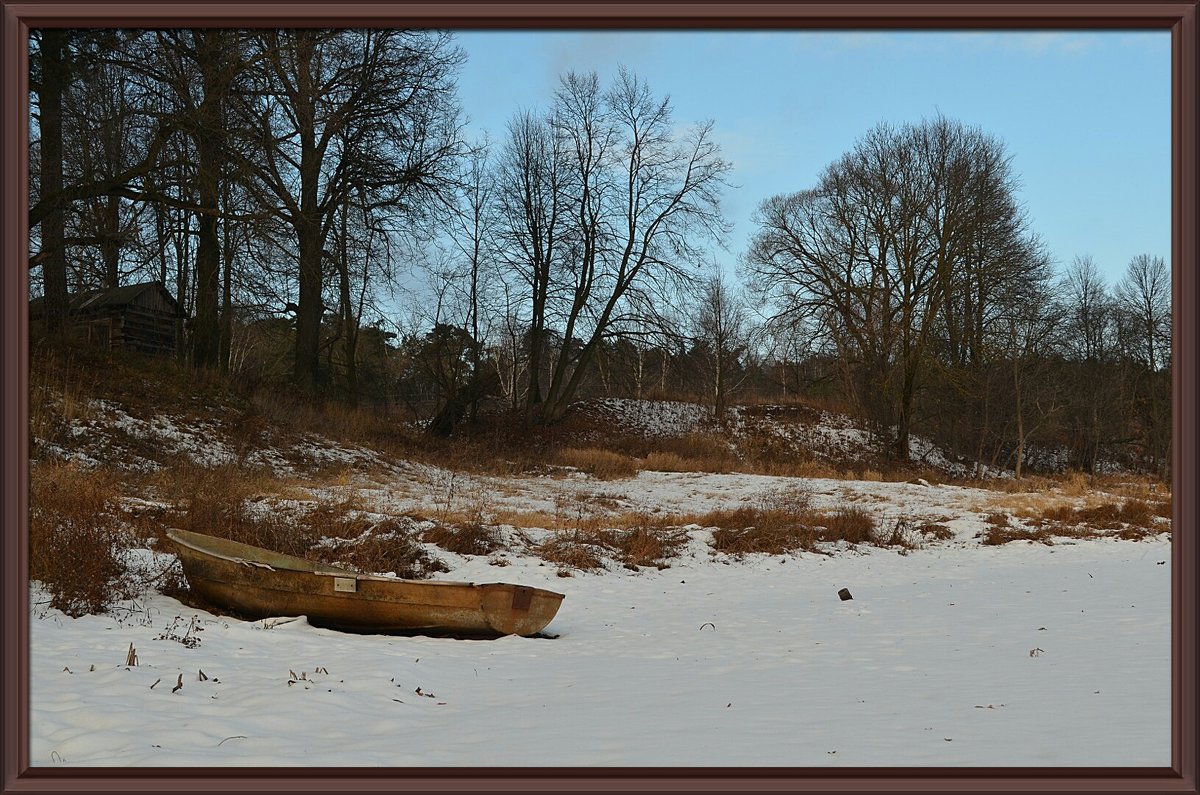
column 310, row 307
column 110, row 241
column 55, row 75
column 226, row 291
column 1020, row 416
column 348, row 317
column 182, row 279
column 206, row 330
column 309, row 231
column 533, row 398
column 451, row 414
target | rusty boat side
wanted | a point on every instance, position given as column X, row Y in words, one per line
column 260, row 583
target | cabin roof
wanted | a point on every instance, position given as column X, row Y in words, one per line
column 110, row 298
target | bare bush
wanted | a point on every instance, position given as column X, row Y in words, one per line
column 78, row 549
column 600, row 464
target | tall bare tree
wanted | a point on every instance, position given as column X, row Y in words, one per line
column 339, row 111
column 722, row 328
column 533, row 222
column 636, row 199
column 1143, row 297
column 868, row 253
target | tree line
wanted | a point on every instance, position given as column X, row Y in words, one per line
column 312, row 199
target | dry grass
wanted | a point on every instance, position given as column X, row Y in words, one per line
column 648, row 545
column 248, row 505
column 78, row 548
column 600, row 464
column 1131, row 519
column 668, row 462
column 998, row 520
column 634, row 540
column 1026, row 485
column 934, row 530
column 760, row 538
column 777, row 528
column 792, row 468
column 1103, row 516
column 705, row 451
column 853, row 525
column 1076, row 484
column 518, row 518
column 388, row 546
column 995, row 535
column 58, row 395
column 468, row 538
column 573, row 550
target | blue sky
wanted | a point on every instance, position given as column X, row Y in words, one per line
column 1085, row 115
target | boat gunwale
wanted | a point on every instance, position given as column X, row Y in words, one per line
column 172, row 535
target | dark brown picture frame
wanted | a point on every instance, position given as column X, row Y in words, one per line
column 1180, row 18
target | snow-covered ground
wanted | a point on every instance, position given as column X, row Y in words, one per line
column 960, row 655
column 952, row 654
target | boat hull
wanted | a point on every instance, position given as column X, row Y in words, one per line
column 259, row 583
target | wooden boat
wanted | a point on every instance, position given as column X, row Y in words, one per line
column 259, row 583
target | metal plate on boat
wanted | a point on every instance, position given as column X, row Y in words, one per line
column 345, row 585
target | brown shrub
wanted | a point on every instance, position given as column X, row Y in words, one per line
column 703, row 451
column 786, row 522
column 387, row 547
column 768, row 540
column 1028, row 484
column 1075, row 484
column 233, row 516
column 1163, row 508
column 58, row 394
column 649, row 543
column 806, row 468
column 77, row 547
column 573, row 550
column 600, row 464
column 1137, row 512
column 1129, row 518
column 333, row 521
column 1105, row 516
column 1132, row 533
column 782, row 523
column 761, row 449
column 667, row 462
column 853, row 525
column 939, row 532
column 997, row 535
column 998, row 520
column 468, row 538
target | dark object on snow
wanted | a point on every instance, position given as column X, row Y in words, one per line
column 259, row 583
column 142, row 317
column 844, row 594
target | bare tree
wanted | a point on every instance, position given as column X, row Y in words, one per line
column 1090, row 325
column 532, row 225
column 1143, row 297
column 339, row 111
column 472, row 230
column 59, row 60
column 722, row 328
column 867, row 255
column 631, row 201
column 1029, row 333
